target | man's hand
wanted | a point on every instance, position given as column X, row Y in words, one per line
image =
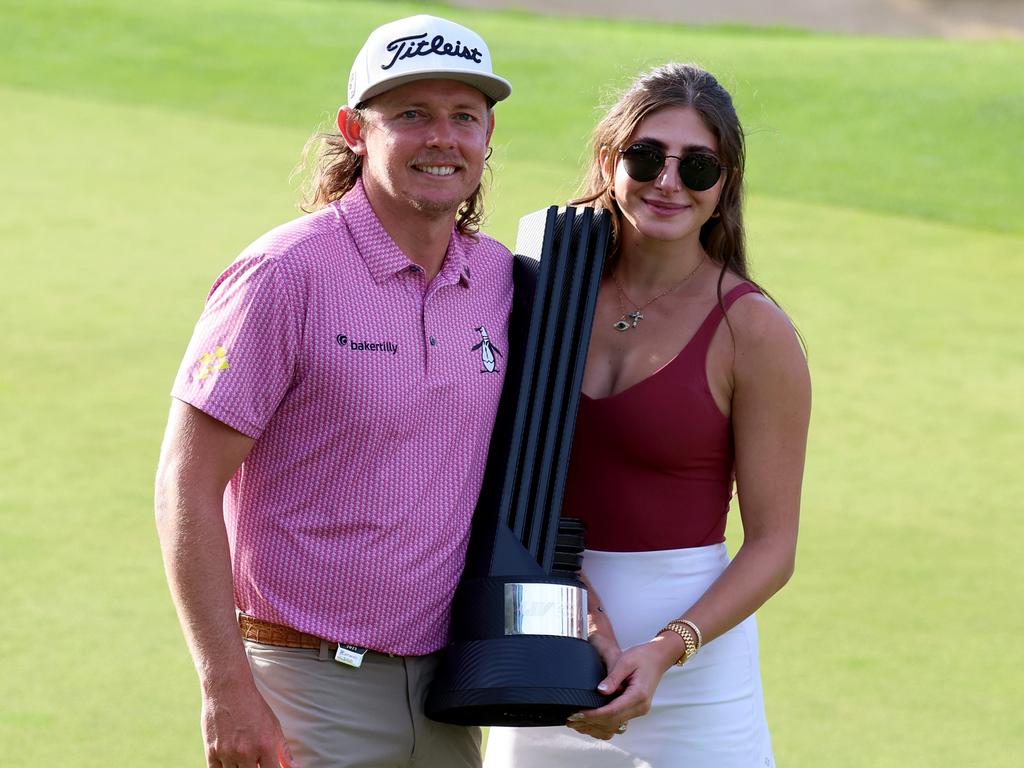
column 241, row 731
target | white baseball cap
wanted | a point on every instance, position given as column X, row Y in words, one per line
column 419, row 48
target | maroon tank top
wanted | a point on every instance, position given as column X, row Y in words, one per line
column 652, row 466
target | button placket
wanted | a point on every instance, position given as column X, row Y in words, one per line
column 443, row 281
column 412, row 282
column 429, row 339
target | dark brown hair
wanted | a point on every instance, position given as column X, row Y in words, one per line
column 677, row 85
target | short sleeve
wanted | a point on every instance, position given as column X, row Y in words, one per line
column 243, row 354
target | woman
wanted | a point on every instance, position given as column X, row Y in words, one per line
column 678, row 405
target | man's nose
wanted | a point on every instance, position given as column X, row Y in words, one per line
column 441, row 134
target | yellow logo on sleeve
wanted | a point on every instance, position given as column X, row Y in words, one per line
column 211, row 362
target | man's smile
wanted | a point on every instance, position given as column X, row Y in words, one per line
column 436, row 170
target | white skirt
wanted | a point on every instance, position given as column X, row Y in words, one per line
column 706, row 714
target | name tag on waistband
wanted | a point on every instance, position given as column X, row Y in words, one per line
column 350, row 654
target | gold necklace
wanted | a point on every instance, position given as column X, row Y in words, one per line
column 632, row 319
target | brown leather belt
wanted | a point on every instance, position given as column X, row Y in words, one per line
column 260, row 631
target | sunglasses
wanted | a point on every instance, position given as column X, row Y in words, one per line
column 698, row 170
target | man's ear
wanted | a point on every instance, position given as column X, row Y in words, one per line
column 351, row 130
column 490, row 127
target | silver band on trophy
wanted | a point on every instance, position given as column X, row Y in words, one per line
column 545, row 609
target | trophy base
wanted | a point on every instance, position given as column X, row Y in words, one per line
column 518, row 680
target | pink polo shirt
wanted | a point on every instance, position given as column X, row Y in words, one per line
column 371, row 396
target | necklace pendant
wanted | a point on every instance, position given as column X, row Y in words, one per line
column 628, row 321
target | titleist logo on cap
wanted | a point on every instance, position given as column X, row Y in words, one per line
column 416, row 45
column 422, row 48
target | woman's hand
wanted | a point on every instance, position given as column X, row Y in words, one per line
column 634, row 676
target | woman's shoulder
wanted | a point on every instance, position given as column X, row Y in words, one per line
column 760, row 327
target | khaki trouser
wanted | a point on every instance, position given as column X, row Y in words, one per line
column 337, row 716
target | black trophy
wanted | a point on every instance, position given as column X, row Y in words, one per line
column 519, row 653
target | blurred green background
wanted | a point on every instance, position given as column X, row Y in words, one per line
column 144, row 145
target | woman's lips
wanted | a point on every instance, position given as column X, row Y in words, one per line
column 665, row 208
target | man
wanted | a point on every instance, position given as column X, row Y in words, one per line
column 329, row 427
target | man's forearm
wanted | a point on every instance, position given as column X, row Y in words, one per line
column 198, row 564
column 198, row 457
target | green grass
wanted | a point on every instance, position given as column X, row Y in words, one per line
column 145, row 144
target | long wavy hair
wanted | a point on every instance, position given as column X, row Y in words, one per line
column 676, row 85
column 331, row 169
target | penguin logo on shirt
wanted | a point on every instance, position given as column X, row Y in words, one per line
column 487, row 351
